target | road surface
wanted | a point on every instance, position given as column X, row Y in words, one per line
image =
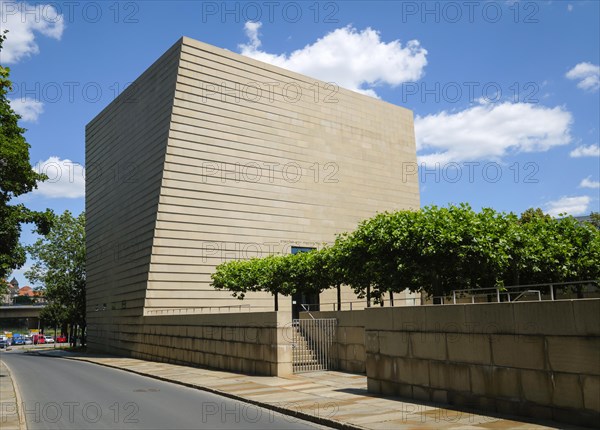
column 67, row 394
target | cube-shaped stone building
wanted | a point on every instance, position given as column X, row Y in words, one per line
column 210, row 156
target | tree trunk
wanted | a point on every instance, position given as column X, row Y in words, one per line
column 339, row 298
column 72, row 335
column 82, row 334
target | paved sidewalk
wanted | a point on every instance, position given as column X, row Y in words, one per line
column 9, row 416
column 335, row 399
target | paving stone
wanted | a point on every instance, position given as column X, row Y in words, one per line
column 9, row 416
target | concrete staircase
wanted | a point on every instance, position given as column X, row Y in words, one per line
column 304, row 358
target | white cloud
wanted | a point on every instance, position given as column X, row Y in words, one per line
column 586, row 151
column 66, row 179
column 570, row 7
column 587, row 74
column 353, row 59
column 569, row 205
column 252, row 33
column 29, row 109
column 23, row 21
column 589, row 183
column 491, row 131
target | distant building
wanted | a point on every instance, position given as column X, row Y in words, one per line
column 11, row 293
column 26, row 291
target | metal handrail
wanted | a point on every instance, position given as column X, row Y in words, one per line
column 319, row 306
column 174, row 311
column 539, row 294
column 500, row 291
column 307, row 310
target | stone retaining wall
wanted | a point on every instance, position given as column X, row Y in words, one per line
column 538, row 359
column 252, row 343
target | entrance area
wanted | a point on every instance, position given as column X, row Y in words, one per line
column 300, row 299
column 312, row 343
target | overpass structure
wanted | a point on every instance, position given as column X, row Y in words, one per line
column 20, row 316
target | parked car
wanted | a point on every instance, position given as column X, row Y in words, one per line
column 61, row 339
column 3, row 344
column 18, row 341
column 49, row 339
column 38, row 339
column 27, row 340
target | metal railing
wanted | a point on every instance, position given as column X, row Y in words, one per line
column 306, row 308
column 312, row 343
column 359, row 304
column 201, row 310
column 550, row 291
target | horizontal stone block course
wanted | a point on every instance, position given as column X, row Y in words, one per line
column 574, row 354
column 525, row 352
column 449, row 375
column 448, row 319
column 372, row 342
column 587, row 317
column 412, row 371
column 379, row 318
column 388, row 388
column 406, row 318
column 373, row 385
column 421, row 393
column 428, row 345
column 352, row 366
column 505, row 383
column 489, row 318
column 393, row 343
column 591, row 393
column 567, row 391
column 353, row 335
column 545, row 318
column 359, row 353
column 372, row 366
column 468, row 348
column 481, row 378
column 537, row 386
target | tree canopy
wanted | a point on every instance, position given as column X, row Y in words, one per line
column 59, row 265
column 276, row 274
column 16, row 178
column 435, row 250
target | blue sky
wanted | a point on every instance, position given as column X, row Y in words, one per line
column 505, row 94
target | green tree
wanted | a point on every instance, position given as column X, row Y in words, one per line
column 331, row 271
column 555, row 250
column 16, row 178
column 595, row 219
column 274, row 274
column 59, row 265
column 435, row 250
column 375, row 259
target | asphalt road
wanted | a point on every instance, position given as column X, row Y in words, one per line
column 66, row 394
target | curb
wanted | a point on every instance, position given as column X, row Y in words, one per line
column 282, row 410
column 18, row 401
